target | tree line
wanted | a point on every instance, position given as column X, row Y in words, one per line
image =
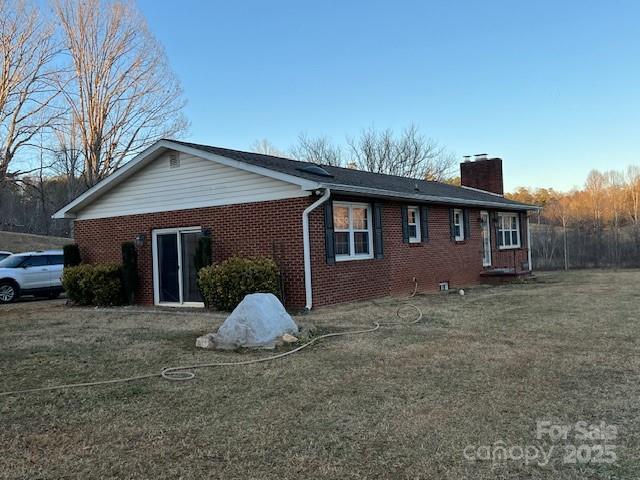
column 408, row 153
column 597, row 225
column 84, row 86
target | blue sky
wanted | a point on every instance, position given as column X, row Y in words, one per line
column 551, row 87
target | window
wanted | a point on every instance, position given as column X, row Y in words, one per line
column 56, row 259
column 508, row 230
column 352, row 230
column 35, row 261
column 12, row 261
column 413, row 219
column 458, row 225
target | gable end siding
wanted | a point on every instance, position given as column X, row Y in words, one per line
column 196, row 183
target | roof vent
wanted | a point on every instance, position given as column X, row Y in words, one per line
column 481, row 156
column 315, row 170
column 174, row 160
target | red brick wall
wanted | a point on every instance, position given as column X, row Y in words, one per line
column 275, row 228
column 483, row 174
column 264, row 228
column 438, row 260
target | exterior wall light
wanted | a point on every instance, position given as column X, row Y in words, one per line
column 140, row 238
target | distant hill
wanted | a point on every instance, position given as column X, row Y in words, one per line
column 25, row 242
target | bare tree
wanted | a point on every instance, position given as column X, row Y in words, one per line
column 68, row 159
column 122, row 95
column 318, row 150
column 27, row 87
column 633, row 205
column 410, row 154
column 559, row 210
column 265, row 147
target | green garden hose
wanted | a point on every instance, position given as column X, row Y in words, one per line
column 185, row 372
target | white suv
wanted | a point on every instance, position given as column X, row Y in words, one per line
column 31, row 273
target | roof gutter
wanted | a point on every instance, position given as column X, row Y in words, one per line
column 308, row 290
column 376, row 192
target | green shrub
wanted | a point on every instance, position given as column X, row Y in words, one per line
column 224, row 285
column 203, row 253
column 202, row 258
column 99, row 284
column 75, row 284
column 71, row 254
column 129, row 271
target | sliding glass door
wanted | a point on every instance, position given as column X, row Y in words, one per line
column 174, row 271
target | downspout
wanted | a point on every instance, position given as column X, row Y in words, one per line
column 307, row 247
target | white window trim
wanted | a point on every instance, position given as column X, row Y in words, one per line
column 418, row 237
column 156, row 269
column 352, row 255
column 501, row 231
column 460, row 237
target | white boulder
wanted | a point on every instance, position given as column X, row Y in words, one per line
column 259, row 321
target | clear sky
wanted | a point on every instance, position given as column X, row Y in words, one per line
column 552, row 87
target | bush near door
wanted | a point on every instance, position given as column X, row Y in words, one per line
column 129, row 271
column 99, row 284
column 224, row 285
column 71, row 254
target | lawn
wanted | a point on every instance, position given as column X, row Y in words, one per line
column 401, row 403
column 26, row 242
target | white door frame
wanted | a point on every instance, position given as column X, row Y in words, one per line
column 486, row 230
column 156, row 272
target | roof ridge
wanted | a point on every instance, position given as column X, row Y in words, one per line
column 308, row 163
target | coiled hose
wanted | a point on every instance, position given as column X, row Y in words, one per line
column 185, row 372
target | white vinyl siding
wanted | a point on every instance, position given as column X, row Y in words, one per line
column 195, row 183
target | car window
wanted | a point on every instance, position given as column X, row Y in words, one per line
column 12, row 261
column 56, row 259
column 35, row 261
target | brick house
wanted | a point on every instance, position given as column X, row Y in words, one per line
column 337, row 234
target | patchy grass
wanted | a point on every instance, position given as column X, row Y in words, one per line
column 26, row 242
column 403, row 402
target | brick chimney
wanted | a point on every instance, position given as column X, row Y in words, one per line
column 482, row 173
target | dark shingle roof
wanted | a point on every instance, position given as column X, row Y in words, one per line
column 366, row 183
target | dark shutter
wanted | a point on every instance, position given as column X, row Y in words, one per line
column 523, row 225
column 467, row 224
column 452, row 227
column 377, row 231
column 424, row 223
column 497, row 225
column 405, row 224
column 329, row 237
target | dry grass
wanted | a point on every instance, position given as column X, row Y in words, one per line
column 399, row 403
column 25, row 242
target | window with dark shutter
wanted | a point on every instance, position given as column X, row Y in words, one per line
column 329, row 237
column 378, row 247
column 467, row 224
column 424, row 223
column 452, row 226
column 405, row 224
column 457, row 224
column 496, row 222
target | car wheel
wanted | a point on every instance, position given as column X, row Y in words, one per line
column 53, row 295
column 8, row 292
